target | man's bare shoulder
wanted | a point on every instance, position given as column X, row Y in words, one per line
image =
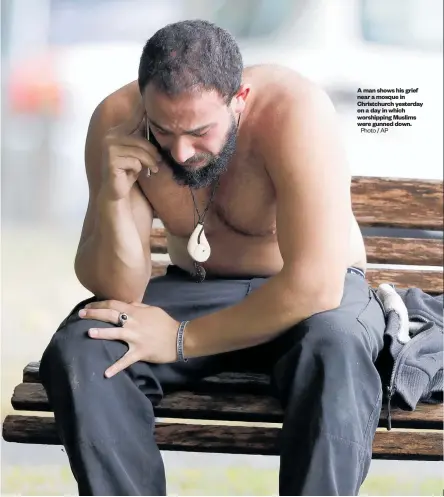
column 284, row 104
column 295, row 115
column 281, row 91
column 119, row 105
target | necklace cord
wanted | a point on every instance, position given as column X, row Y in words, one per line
column 200, row 217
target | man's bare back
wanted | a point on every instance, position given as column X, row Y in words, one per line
column 241, row 222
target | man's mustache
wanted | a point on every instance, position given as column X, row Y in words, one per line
column 189, row 162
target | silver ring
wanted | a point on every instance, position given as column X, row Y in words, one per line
column 123, row 318
column 148, row 172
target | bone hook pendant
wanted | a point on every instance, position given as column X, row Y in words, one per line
column 198, row 246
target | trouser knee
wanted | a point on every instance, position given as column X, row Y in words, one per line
column 73, row 359
column 331, row 339
column 329, row 370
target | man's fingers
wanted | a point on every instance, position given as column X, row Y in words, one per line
column 143, row 157
column 108, row 333
column 105, row 315
column 127, row 360
column 137, row 141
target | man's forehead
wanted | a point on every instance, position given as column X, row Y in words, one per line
column 186, row 113
column 202, row 102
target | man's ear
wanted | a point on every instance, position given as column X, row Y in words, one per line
column 239, row 100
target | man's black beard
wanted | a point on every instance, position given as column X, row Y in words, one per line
column 205, row 175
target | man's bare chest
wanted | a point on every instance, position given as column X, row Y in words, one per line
column 244, row 202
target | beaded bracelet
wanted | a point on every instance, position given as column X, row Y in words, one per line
column 179, row 341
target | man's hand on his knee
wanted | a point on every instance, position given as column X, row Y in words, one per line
column 149, row 331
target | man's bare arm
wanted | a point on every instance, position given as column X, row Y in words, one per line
column 113, row 259
column 307, row 166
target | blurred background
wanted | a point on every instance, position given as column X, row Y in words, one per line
column 60, row 58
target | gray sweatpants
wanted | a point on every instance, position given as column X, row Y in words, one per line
column 322, row 371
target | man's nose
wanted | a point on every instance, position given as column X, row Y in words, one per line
column 182, row 150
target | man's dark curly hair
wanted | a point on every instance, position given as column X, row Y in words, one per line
column 189, row 56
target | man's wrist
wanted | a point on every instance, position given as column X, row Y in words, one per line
column 105, row 200
column 115, row 216
column 188, row 348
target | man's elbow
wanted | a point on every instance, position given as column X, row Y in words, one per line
column 327, row 301
column 111, row 289
column 129, row 296
column 328, row 291
column 319, row 294
column 320, row 299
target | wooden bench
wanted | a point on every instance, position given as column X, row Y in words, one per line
column 245, row 398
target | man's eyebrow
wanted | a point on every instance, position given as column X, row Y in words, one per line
column 188, row 132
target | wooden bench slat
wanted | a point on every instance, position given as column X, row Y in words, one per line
column 429, row 281
column 380, row 249
column 31, row 372
column 265, row 441
column 224, row 382
column 398, row 203
column 404, row 251
column 230, row 407
column 158, row 241
column 230, row 381
column 232, row 439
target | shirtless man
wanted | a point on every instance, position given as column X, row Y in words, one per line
column 272, row 279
